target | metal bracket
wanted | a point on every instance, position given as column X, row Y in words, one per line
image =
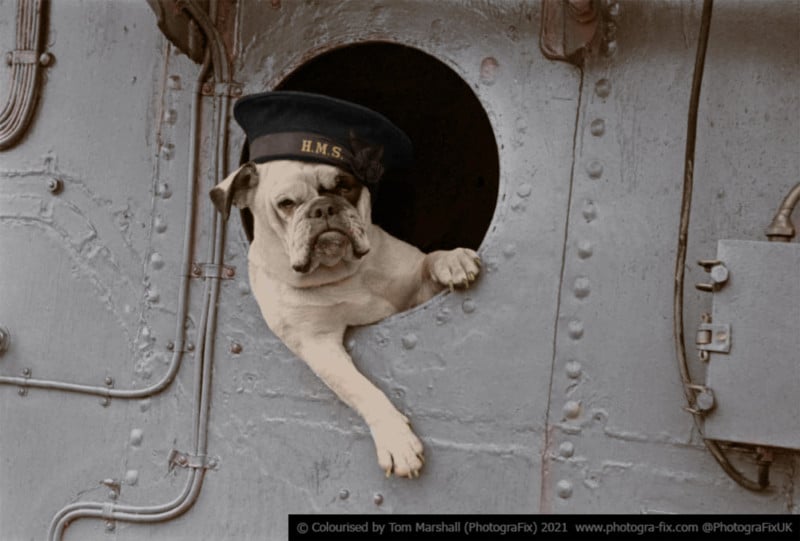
column 232, row 90
column 714, row 337
column 185, row 460
column 211, row 270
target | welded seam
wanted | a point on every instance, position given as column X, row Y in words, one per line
column 546, row 446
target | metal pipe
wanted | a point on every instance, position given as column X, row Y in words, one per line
column 25, row 72
column 782, row 229
column 183, row 298
column 205, row 356
column 680, row 260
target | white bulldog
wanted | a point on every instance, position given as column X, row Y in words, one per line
column 318, row 265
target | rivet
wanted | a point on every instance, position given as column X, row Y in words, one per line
column 409, row 341
column 170, row 345
column 182, row 460
column 585, row 249
column 55, row 186
column 597, row 127
column 26, row 372
column 131, row 477
column 443, row 316
column 157, row 261
column 213, row 463
column 613, row 9
column 468, row 306
column 344, row 494
column 164, row 190
column 610, row 48
column 489, row 67
column 170, row 116
column 230, row 272
column 602, row 88
column 575, row 329
column 196, row 270
column 45, row 59
column 144, row 405
column 564, row 489
column 236, row 348
column 112, row 495
column 208, row 88
column 109, row 381
column 581, row 287
column 377, row 499
column 167, row 151
column 160, row 224
column 573, row 369
column 510, row 250
column 153, row 296
column 190, row 346
column 22, row 391
column 524, row 190
column 566, row 449
column 137, row 435
column 105, row 401
column 572, row 409
column 174, row 82
column 594, row 169
column 589, row 211
column 110, row 526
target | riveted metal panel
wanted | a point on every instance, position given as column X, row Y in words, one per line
column 757, row 383
column 549, row 387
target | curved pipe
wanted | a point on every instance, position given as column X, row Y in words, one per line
column 680, row 260
column 194, row 482
column 25, row 72
column 782, row 229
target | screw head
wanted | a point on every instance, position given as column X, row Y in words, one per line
column 377, row 499
column 230, row 272
column 236, row 348
column 45, row 59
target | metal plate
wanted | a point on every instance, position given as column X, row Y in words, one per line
column 758, row 383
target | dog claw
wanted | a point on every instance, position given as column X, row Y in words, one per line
column 388, row 472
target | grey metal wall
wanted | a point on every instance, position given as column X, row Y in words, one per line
column 549, row 387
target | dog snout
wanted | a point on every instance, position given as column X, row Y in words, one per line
column 323, row 208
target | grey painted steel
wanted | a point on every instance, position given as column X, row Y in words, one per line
column 549, row 387
column 757, row 383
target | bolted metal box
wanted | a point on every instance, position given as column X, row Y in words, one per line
column 757, row 384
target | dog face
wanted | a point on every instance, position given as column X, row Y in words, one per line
column 317, row 213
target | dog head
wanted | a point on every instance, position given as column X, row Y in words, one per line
column 307, row 216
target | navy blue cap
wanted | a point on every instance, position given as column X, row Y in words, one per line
column 318, row 128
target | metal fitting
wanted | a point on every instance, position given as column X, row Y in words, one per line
column 717, row 271
column 55, row 186
column 5, row 339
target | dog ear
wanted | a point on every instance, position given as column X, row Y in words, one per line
column 364, row 205
column 234, row 189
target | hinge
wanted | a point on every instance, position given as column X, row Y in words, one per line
column 714, row 337
column 185, row 460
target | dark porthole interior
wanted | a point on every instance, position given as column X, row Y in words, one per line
column 448, row 198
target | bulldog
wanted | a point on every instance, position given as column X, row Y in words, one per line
column 318, row 265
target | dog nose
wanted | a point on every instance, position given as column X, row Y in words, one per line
column 322, row 208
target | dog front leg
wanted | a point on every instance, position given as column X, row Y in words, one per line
column 399, row 449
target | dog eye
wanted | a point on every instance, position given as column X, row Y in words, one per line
column 343, row 185
column 285, row 204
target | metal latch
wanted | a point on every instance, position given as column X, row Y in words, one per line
column 185, row 460
column 718, row 273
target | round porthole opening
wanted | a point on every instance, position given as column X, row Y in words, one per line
column 448, row 198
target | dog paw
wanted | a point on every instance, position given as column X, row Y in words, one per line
column 399, row 449
column 452, row 268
